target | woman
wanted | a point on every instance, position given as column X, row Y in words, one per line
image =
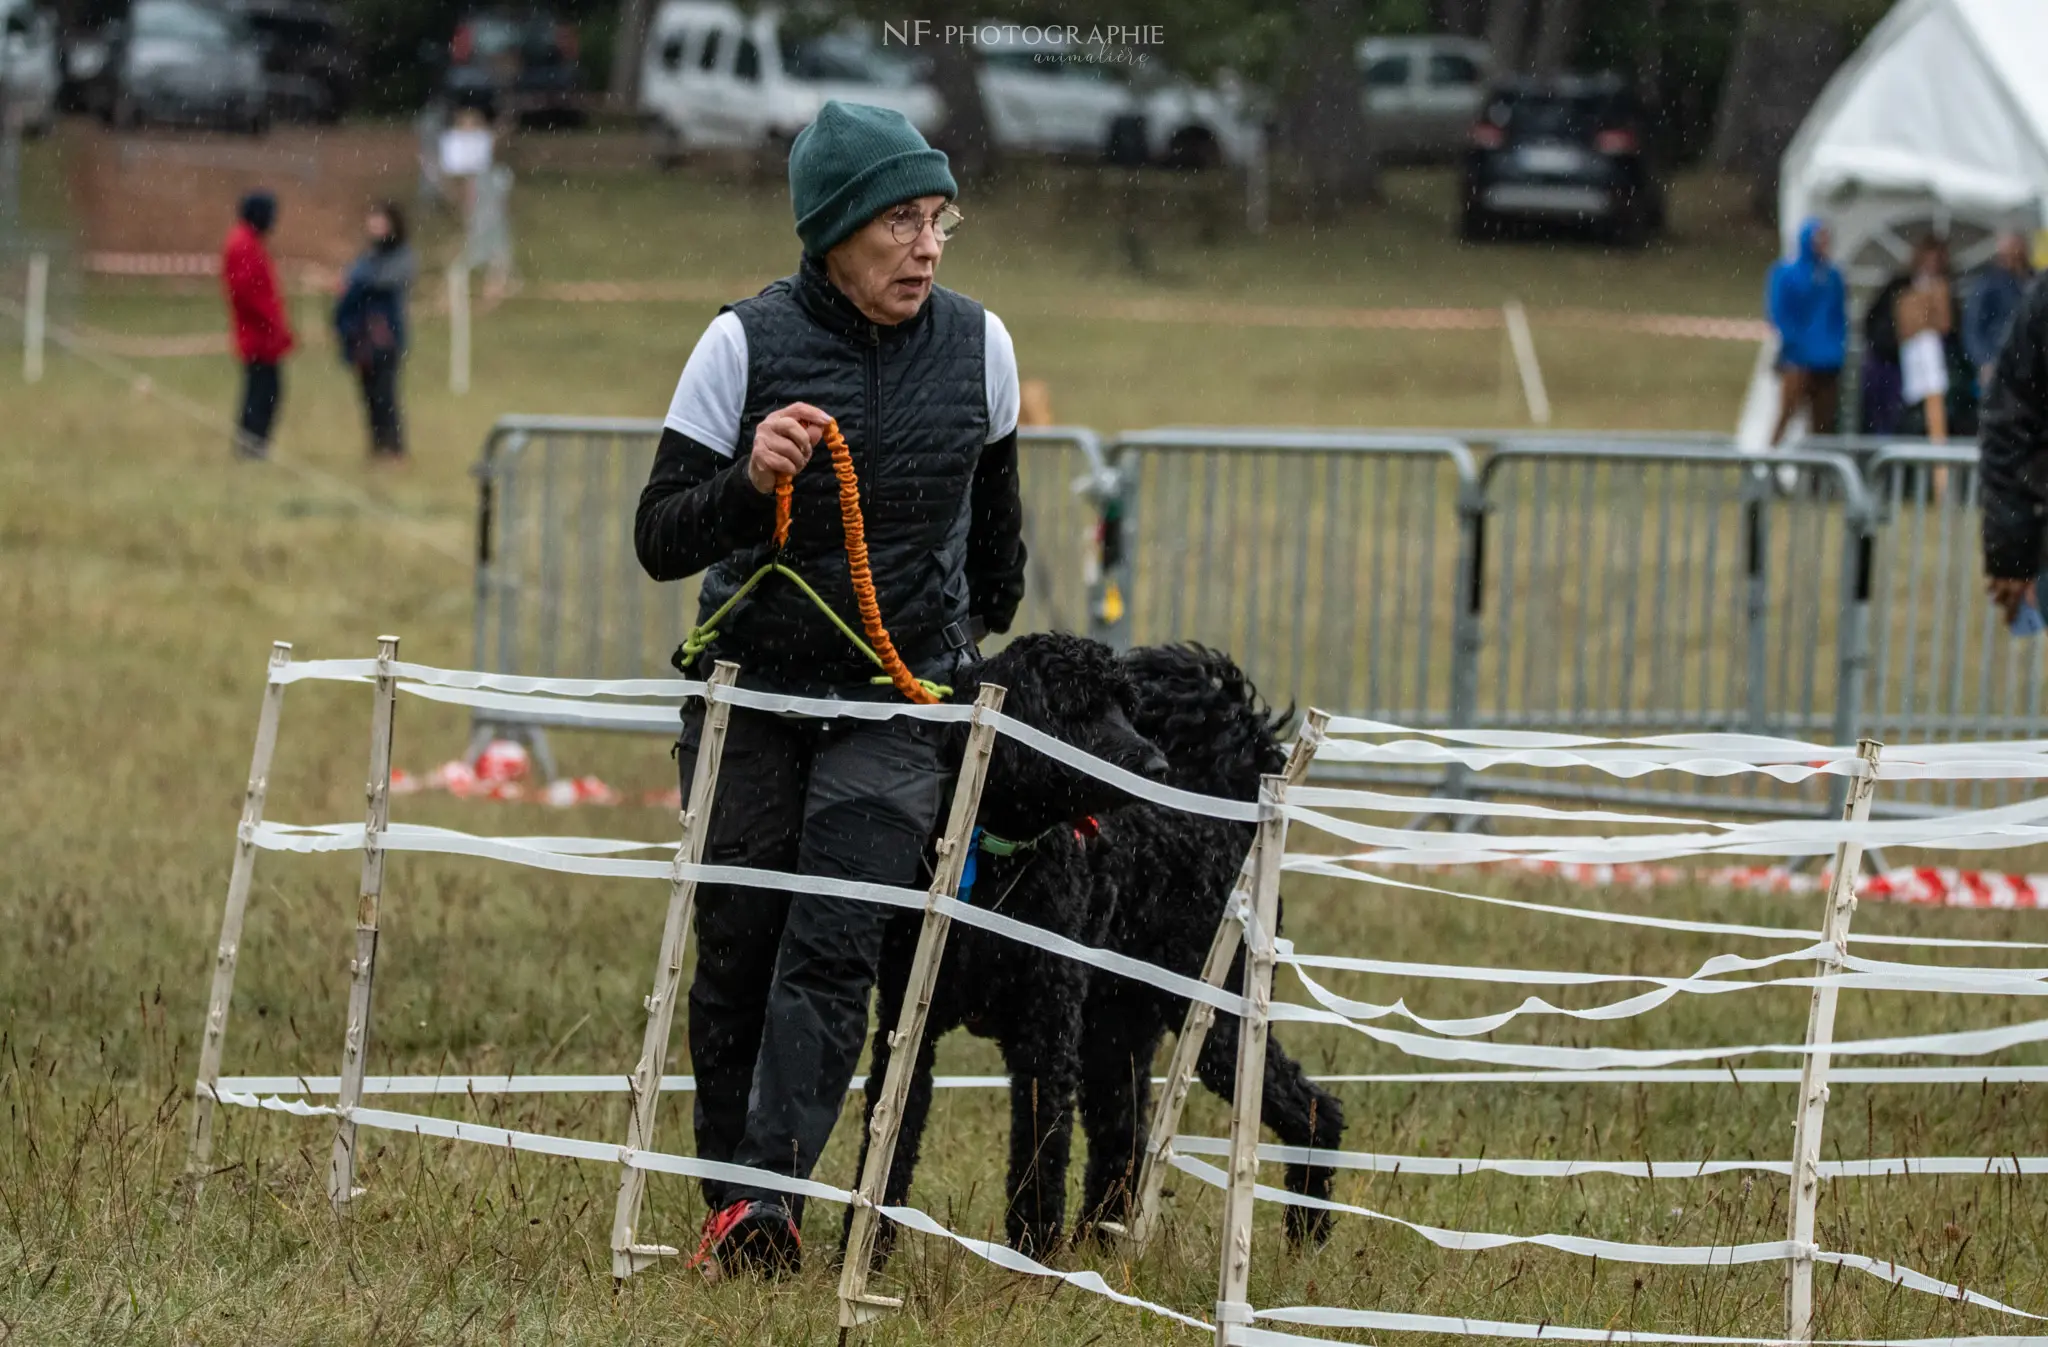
column 369, row 321
column 1925, row 316
column 263, row 331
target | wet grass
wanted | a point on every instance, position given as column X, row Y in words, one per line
column 142, row 576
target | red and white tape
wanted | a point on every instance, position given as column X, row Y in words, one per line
column 1928, row 885
column 503, row 771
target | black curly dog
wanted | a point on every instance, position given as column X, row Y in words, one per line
column 1177, row 870
column 1031, row 865
column 1167, row 875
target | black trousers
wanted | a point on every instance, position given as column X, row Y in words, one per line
column 779, row 1005
column 379, row 377
column 262, row 387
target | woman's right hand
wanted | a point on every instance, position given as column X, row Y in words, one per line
column 783, row 444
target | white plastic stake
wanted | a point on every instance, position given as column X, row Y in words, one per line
column 1523, row 343
column 341, row 1170
column 458, row 329
column 856, row 1305
column 1820, row 1037
column 35, row 318
column 628, row 1254
column 1194, row 1029
column 1248, row 1099
column 200, row 1151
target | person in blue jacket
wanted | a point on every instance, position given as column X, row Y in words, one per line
column 369, row 324
column 1807, row 303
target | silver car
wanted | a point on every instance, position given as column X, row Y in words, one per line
column 1422, row 94
column 177, row 61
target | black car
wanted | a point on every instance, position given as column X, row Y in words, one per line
column 522, row 63
column 309, row 64
column 1570, row 150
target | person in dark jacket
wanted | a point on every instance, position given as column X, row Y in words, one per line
column 370, row 328
column 1806, row 302
column 263, row 334
column 1995, row 293
column 923, row 384
column 2013, row 433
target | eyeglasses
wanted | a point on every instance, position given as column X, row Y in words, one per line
column 906, row 222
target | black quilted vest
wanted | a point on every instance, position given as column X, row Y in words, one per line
column 913, row 406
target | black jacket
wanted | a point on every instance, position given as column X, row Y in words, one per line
column 943, row 516
column 2013, row 433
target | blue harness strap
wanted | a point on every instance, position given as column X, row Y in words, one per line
column 966, row 894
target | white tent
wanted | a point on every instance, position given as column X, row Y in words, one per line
column 1941, row 116
column 1939, row 121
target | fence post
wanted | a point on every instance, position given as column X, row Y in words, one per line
column 1756, row 491
column 1466, row 630
column 35, row 317
column 1820, row 1037
column 1194, row 1028
column 1109, row 589
column 341, row 1170
column 628, row 1255
column 1247, row 1104
column 1852, row 638
column 199, row 1152
column 856, row 1305
column 458, row 328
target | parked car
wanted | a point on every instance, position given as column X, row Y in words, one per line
column 717, row 78
column 1571, row 150
column 1421, row 94
column 1194, row 126
column 179, row 61
column 309, row 64
column 519, row 63
column 1047, row 97
column 28, row 64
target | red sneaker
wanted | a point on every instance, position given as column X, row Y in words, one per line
column 749, row 1236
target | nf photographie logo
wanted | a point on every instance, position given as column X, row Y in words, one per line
column 1118, row 43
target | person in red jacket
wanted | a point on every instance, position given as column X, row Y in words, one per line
column 263, row 335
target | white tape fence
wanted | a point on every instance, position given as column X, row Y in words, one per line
column 1822, row 961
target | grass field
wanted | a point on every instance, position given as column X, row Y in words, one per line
column 142, row 576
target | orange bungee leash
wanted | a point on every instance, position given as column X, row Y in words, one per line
column 878, row 647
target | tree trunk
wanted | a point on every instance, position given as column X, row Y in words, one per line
column 1649, row 63
column 1457, row 16
column 1557, row 37
column 627, row 43
column 1783, row 59
column 965, row 135
column 1507, row 27
column 1326, row 125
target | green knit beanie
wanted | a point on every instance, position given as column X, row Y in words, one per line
column 853, row 163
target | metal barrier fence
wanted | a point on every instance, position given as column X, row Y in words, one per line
column 1601, row 584
column 1943, row 667
column 1300, row 552
column 560, row 591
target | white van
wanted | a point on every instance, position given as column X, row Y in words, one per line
column 718, row 78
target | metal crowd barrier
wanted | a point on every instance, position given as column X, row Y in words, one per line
column 1942, row 667
column 1646, row 588
column 560, row 591
column 1327, row 562
column 1603, row 584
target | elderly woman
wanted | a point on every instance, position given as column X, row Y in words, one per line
column 923, row 384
